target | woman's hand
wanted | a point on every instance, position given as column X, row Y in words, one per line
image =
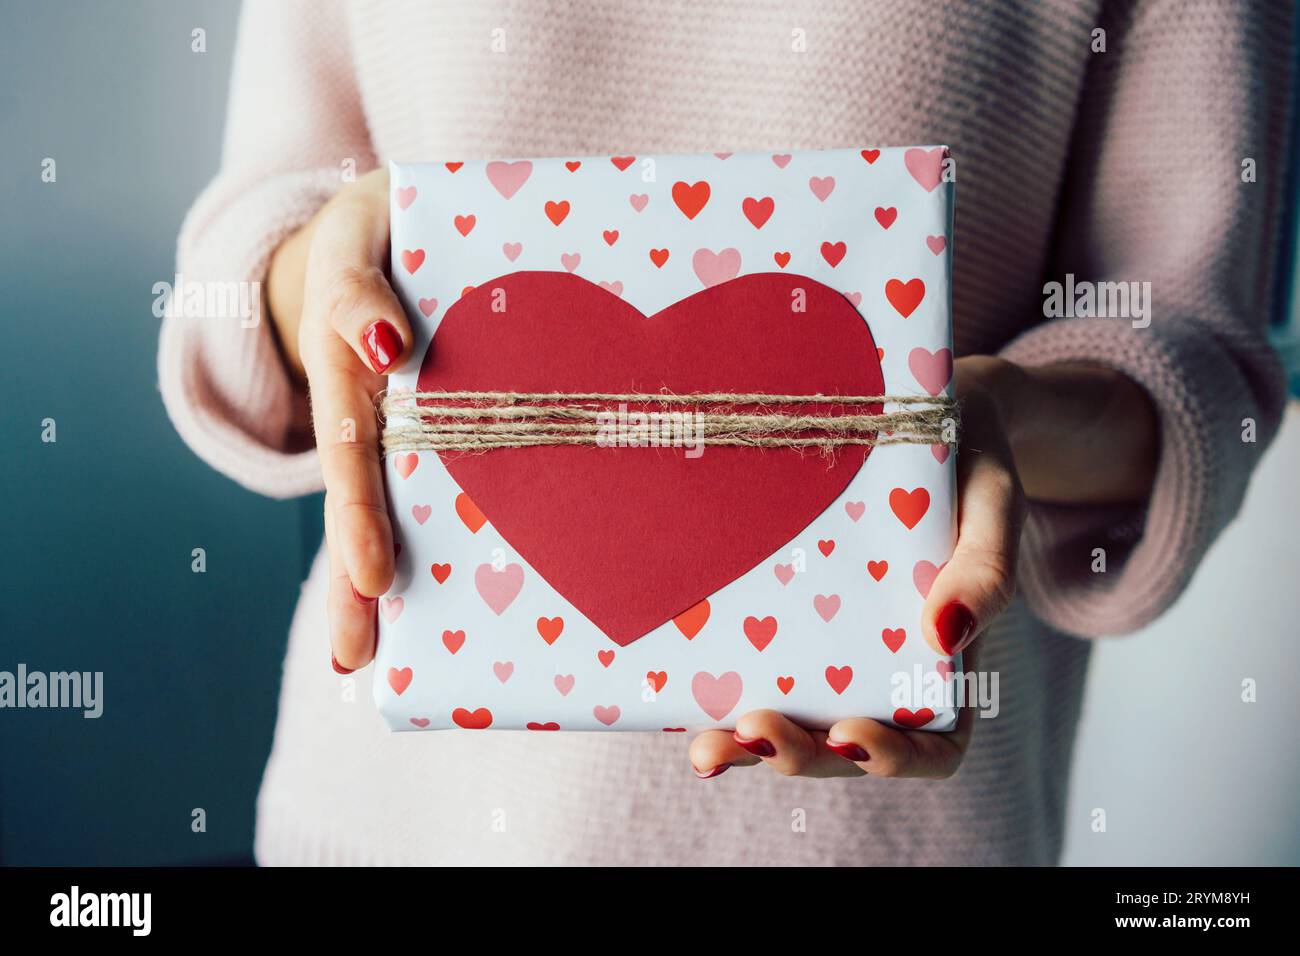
column 1068, row 434
column 974, row 587
column 341, row 329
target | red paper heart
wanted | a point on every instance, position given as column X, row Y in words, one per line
column 633, row 537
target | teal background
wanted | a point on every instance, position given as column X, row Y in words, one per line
column 97, row 529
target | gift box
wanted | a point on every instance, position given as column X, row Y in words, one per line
column 675, row 441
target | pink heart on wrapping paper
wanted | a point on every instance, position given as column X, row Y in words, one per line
column 421, row 513
column 428, row 306
column 717, row 696
column 512, row 250
column 855, row 509
column 932, row 369
column 503, row 670
column 926, row 166
column 855, row 298
column 638, row 201
column 940, row 453
column 498, row 589
column 405, row 196
column 509, row 177
column 826, row 606
column 420, row 722
column 822, row 186
column 715, row 268
column 614, row 288
column 784, row 573
column 392, row 608
column 570, row 260
column 945, row 669
column 405, row 464
column 923, row 575
column 607, row 715
column 782, row 160
column 564, row 683
column 937, row 244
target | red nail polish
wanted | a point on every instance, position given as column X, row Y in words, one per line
column 848, row 751
column 339, row 668
column 758, row 746
column 383, row 345
column 715, row 772
column 953, row 627
column 361, row 598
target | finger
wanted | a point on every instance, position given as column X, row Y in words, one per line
column 347, row 441
column 883, row 751
column 352, row 616
column 346, row 267
column 714, row 752
column 786, row 747
column 342, row 405
column 978, row 581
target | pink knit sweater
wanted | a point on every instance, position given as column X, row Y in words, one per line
column 1118, row 165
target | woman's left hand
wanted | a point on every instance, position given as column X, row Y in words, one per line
column 973, row 588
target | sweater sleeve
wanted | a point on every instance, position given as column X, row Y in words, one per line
column 294, row 127
column 1190, row 97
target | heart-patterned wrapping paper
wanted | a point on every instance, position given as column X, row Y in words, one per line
column 585, row 588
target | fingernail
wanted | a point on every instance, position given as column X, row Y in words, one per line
column 339, row 668
column 715, row 772
column 848, row 751
column 383, row 345
column 361, row 598
column 953, row 627
column 758, row 746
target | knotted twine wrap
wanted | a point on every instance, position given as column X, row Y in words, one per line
column 480, row 421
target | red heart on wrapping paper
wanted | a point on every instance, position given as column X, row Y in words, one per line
column 480, row 719
column 760, row 633
column 913, row 721
column 893, row 638
column 550, row 628
column 635, row 537
column 877, row 569
column 691, row 198
column 839, row 678
column 905, row 296
column 909, row 506
column 758, row 211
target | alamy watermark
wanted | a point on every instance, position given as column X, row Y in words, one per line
column 627, row 429
column 72, row 690
column 1083, row 299
column 934, row 689
column 186, row 299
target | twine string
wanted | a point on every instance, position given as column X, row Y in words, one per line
column 476, row 421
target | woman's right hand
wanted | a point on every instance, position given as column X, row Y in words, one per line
column 341, row 329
